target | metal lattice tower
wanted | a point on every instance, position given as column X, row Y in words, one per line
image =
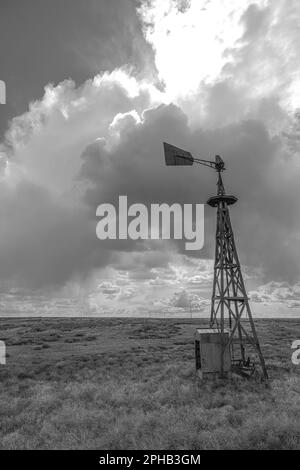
column 229, row 304
column 230, row 309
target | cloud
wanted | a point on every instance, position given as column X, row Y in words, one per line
column 49, row 235
column 190, row 42
column 45, row 240
column 46, row 142
column 266, row 218
column 80, row 146
column 187, row 301
column 67, row 39
column 60, row 190
column 227, row 61
column 277, row 292
column 108, row 288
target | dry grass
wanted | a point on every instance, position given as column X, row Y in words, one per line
column 130, row 384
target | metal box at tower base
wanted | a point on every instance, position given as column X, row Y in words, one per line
column 208, row 353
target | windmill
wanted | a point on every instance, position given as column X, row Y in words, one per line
column 230, row 317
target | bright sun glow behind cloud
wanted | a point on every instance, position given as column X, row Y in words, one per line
column 251, row 44
column 191, row 44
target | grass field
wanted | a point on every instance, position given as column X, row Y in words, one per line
column 130, row 384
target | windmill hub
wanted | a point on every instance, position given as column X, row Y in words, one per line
column 214, row 201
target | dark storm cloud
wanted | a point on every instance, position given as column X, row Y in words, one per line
column 49, row 235
column 44, row 41
column 44, row 241
column 49, row 238
column 267, row 212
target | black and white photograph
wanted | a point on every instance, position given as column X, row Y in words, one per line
column 149, row 230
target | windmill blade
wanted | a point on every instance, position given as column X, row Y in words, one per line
column 175, row 156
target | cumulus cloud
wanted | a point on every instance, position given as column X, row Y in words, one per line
column 49, row 234
column 277, row 292
column 227, row 61
column 186, row 301
column 126, row 158
column 266, row 218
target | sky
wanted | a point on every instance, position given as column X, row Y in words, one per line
column 93, row 89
